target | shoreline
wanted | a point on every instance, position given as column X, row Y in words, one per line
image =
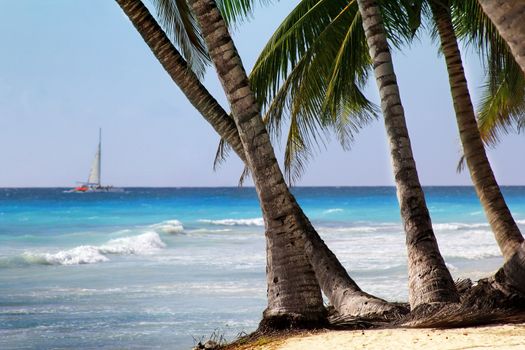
column 498, row 336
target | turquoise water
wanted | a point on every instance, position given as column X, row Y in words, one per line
column 157, row 268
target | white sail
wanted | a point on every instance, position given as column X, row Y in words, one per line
column 94, row 174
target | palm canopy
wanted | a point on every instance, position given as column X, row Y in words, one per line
column 313, row 68
column 310, row 74
column 502, row 106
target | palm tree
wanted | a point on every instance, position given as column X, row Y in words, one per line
column 286, row 225
column 507, row 233
column 317, row 61
column 429, row 279
column 509, row 18
column 293, row 289
column 292, row 292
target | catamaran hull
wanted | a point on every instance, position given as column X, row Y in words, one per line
column 96, row 190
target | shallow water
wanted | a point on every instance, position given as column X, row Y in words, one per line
column 156, row 268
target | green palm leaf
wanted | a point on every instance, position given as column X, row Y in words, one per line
column 177, row 20
column 502, row 106
column 311, row 72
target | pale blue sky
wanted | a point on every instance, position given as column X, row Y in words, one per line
column 70, row 67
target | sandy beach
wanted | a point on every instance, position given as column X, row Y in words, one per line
column 475, row 338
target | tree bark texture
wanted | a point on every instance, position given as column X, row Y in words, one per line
column 429, row 279
column 514, row 271
column 292, row 286
column 498, row 214
column 509, row 18
column 289, row 233
column 182, row 75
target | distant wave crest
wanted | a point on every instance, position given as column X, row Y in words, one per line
column 236, row 222
column 145, row 243
column 454, row 226
column 356, row 229
column 333, row 210
column 168, row 226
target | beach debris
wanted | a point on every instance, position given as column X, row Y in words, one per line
column 208, row 345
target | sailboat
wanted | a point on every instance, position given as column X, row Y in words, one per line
column 93, row 183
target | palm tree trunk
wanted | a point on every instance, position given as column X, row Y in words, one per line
column 429, row 279
column 503, row 225
column 512, row 274
column 289, row 233
column 509, row 18
column 182, row 75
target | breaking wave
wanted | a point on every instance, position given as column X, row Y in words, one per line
column 143, row 244
column 235, row 222
column 169, row 226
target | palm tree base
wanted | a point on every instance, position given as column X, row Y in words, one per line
column 489, row 301
column 272, row 322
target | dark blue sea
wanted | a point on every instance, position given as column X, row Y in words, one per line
column 158, row 268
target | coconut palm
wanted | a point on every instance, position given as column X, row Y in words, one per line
column 429, row 279
column 502, row 222
column 507, row 233
column 284, row 218
column 293, row 294
column 325, row 40
column 509, row 18
column 297, row 292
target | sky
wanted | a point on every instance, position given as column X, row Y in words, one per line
column 70, row 67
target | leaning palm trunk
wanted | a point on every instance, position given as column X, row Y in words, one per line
column 293, row 282
column 289, row 234
column 503, row 225
column 512, row 274
column 429, row 279
column 181, row 74
column 509, row 18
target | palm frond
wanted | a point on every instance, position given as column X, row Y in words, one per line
column 461, row 164
column 181, row 27
column 310, row 74
column 244, row 176
column 502, row 106
column 223, row 150
column 237, row 11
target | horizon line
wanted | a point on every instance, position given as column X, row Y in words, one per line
column 233, row 186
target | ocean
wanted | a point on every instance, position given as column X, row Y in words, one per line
column 162, row 268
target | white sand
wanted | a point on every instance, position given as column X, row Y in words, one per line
column 478, row 338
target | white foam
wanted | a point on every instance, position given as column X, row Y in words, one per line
column 205, row 230
column 333, row 210
column 454, row 226
column 83, row 254
column 358, row 229
column 520, row 222
column 169, row 226
column 145, row 243
column 236, row 222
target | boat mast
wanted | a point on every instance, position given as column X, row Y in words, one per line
column 99, row 154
